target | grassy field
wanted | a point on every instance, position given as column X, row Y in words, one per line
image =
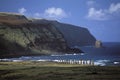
column 55, row 71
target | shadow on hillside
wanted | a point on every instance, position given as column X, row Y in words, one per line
column 76, row 36
column 11, row 49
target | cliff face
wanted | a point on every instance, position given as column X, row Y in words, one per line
column 75, row 35
column 20, row 36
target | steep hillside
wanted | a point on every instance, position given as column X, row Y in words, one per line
column 74, row 35
column 19, row 37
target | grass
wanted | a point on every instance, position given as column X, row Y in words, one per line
column 54, row 71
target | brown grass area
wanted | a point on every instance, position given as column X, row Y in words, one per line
column 13, row 19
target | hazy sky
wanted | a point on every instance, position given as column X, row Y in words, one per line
column 101, row 17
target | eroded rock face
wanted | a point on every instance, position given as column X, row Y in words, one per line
column 19, row 37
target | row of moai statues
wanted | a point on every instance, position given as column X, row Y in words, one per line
column 82, row 62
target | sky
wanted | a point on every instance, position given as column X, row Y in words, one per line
column 100, row 17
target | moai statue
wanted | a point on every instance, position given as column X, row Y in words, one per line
column 88, row 62
column 79, row 62
column 82, row 62
column 92, row 63
column 70, row 61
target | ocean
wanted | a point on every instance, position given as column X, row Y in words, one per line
column 108, row 55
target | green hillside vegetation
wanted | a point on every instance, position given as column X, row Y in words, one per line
column 29, row 38
column 42, row 38
column 56, row 71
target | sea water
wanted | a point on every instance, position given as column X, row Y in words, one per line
column 109, row 54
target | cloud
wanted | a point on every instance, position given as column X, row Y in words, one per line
column 37, row 14
column 96, row 14
column 114, row 8
column 55, row 13
column 52, row 13
column 22, row 10
column 103, row 14
column 49, row 13
column 90, row 3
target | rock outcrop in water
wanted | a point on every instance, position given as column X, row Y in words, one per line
column 98, row 44
column 20, row 36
